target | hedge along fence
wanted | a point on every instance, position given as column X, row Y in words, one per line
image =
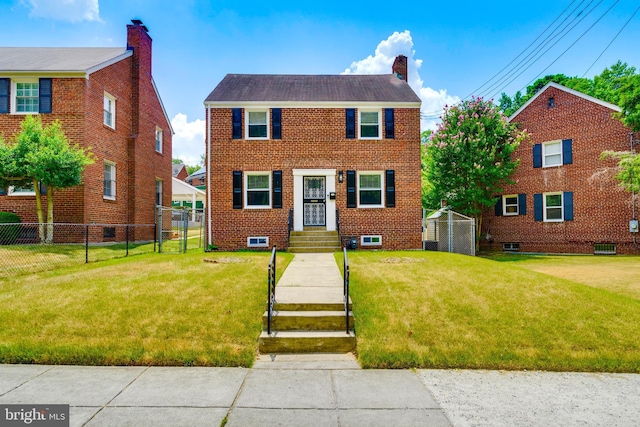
column 21, row 251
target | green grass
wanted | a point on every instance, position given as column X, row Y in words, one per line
column 439, row 310
column 147, row 310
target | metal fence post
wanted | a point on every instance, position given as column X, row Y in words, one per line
column 127, row 238
column 160, row 229
column 186, row 228
column 86, row 245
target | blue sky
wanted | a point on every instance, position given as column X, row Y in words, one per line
column 454, row 48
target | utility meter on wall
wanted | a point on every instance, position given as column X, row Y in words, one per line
column 633, row 226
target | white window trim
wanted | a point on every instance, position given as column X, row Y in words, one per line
column 246, row 124
column 14, row 93
column 10, row 192
column 544, row 206
column 382, row 184
column 246, row 190
column 504, row 205
column 113, row 110
column 374, row 236
column 544, row 154
column 159, row 132
column 258, row 245
column 369, row 110
column 113, row 181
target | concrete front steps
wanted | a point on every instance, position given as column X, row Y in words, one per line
column 310, row 241
column 308, row 327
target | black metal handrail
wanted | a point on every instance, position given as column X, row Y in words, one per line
column 271, row 291
column 346, row 286
column 338, row 225
column 289, row 225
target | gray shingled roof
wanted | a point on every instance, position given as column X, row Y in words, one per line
column 312, row 88
column 56, row 59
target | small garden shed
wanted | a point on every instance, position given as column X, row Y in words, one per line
column 444, row 230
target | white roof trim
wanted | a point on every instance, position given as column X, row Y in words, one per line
column 166, row 116
column 180, row 189
column 571, row 91
column 311, row 104
column 111, row 61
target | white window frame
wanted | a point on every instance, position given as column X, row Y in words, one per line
column 159, row 190
column 545, row 147
column 358, row 188
column 260, row 242
column 14, row 95
column 504, row 205
column 112, row 180
column 12, row 192
column 365, row 110
column 246, row 190
column 159, row 140
column 112, row 101
column 248, row 122
column 545, row 207
column 368, row 240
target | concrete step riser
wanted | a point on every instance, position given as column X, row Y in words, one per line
column 305, row 239
column 314, row 243
column 305, row 323
column 315, row 233
column 313, row 306
column 309, row 250
column 270, row 345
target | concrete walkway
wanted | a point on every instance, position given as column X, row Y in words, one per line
column 310, row 391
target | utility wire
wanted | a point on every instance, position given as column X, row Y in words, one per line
column 612, row 40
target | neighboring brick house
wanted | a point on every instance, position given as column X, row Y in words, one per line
column 179, row 171
column 197, row 179
column 106, row 100
column 314, row 145
column 564, row 199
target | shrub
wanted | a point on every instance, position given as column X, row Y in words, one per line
column 9, row 228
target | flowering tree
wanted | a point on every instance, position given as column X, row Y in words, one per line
column 468, row 158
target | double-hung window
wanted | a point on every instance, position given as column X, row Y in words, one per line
column 553, row 207
column 27, row 95
column 158, row 140
column 552, row 154
column 369, row 124
column 26, row 190
column 109, row 192
column 370, row 189
column 258, row 189
column 510, row 205
column 109, row 110
column 257, row 124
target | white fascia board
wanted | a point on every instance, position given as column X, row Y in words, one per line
column 111, row 61
column 311, row 104
column 53, row 74
column 166, row 116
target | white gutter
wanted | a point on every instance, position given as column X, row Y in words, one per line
column 208, row 165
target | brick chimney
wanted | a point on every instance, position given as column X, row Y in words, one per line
column 400, row 67
column 139, row 42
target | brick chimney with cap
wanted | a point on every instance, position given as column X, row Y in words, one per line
column 400, row 67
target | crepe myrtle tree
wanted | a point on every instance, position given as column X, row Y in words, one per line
column 468, row 157
column 42, row 157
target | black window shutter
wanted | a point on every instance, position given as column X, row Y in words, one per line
column 390, row 193
column 537, row 207
column 351, row 189
column 44, row 96
column 43, row 188
column 276, row 123
column 537, row 156
column 236, row 119
column 498, row 207
column 3, row 191
column 389, row 131
column 237, row 189
column 277, row 189
column 567, row 154
column 4, row 95
column 522, row 204
column 567, row 200
column 351, row 122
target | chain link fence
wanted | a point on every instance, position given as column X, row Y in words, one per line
column 447, row 231
column 32, row 247
column 180, row 229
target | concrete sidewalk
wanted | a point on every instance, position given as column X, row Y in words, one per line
column 312, row 391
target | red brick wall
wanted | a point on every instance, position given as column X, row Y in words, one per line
column 314, row 138
column 602, row 210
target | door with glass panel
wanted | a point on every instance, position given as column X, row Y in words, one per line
column 314, row 201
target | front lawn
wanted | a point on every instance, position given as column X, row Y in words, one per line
column 440, row 310
column 147, row 310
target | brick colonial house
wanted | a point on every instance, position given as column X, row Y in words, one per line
column 564, row 199
column 322, row 147
column 105, row 99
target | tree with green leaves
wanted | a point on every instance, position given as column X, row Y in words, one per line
column 42, row 157
column 426, row 186
column 468, row 158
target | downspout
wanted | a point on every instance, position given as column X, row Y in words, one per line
column 208, row 166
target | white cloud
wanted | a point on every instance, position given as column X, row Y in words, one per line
column 188, row 140
column 64, row 10
column 433, row 101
